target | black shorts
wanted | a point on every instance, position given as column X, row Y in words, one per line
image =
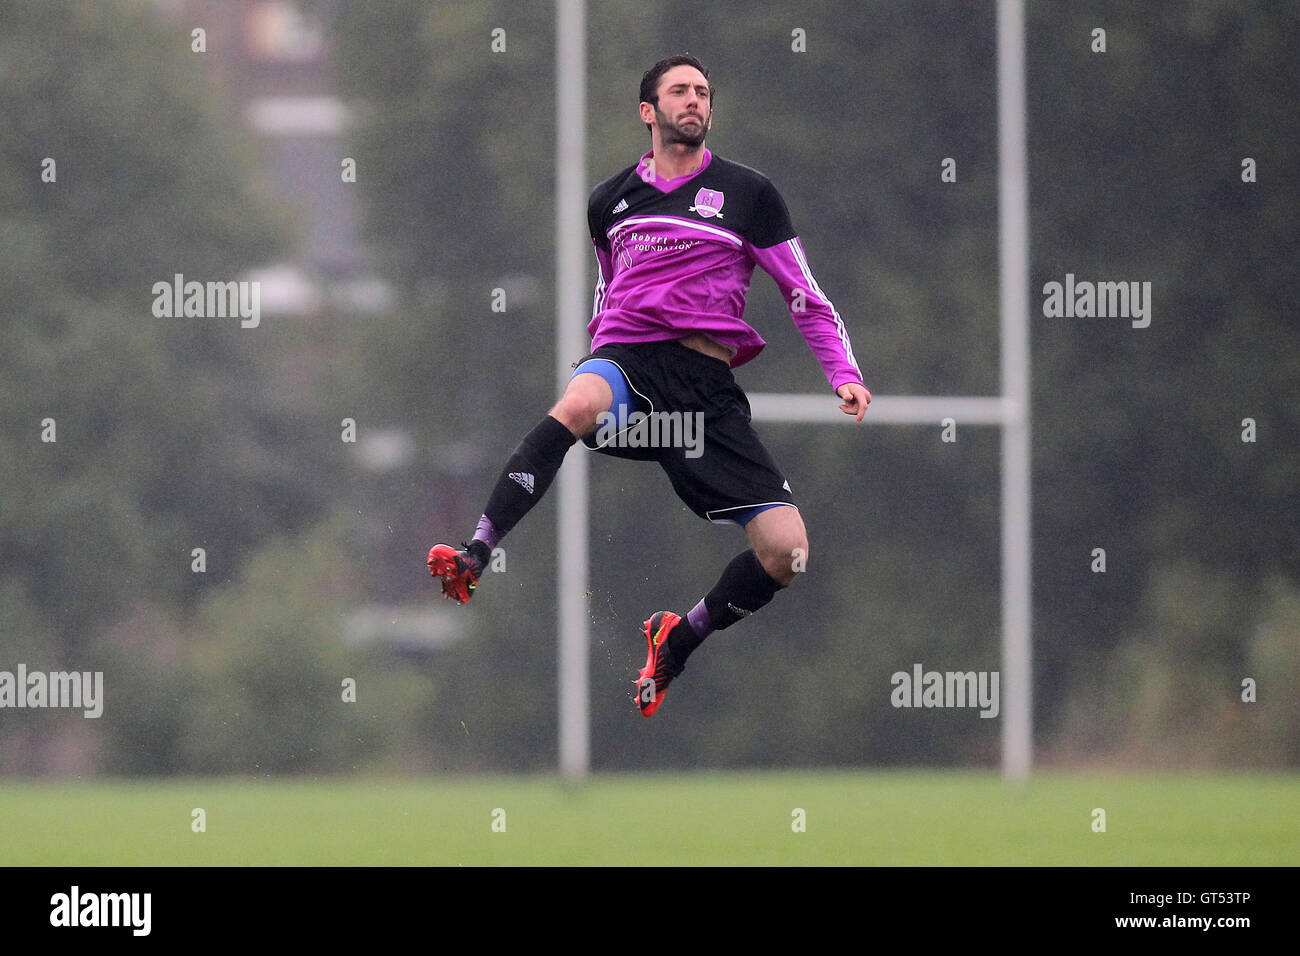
column 695, row 421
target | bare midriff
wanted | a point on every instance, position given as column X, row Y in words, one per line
column 707, row 346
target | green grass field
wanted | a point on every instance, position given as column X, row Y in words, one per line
column 866, row 818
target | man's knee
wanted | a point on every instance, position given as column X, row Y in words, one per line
column 785, row 561
column 784, row 552
column 583, row 401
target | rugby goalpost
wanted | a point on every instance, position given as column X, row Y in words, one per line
column 1009, row 411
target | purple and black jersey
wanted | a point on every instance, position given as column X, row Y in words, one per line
column 676, row 257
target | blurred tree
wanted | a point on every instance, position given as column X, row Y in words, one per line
column 1136, row 174
column 118, row 169
column 269, row 664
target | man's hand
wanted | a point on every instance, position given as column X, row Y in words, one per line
column 856, row 399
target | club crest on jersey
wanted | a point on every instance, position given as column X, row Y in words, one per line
column 708, row 203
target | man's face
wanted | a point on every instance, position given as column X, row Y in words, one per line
column 684, row 112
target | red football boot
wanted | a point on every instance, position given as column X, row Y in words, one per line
column 660, row 668
column 459, row 571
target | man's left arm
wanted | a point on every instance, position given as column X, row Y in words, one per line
column 816, row 319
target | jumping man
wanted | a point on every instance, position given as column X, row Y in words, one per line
column 677, row 237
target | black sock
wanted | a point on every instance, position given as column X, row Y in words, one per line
column 743, row 588
column 528, row 473
column 683, row 640
column 480, row 552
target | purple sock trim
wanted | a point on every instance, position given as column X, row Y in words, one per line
column 700, row 620
column 488, row 533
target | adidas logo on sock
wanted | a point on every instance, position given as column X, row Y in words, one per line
column 738, row 611
column 524, row 479
column 622, row 204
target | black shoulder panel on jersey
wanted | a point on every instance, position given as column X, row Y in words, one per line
column 727, row 195
column 758, row 213
column 602, row 201
column 773, row 225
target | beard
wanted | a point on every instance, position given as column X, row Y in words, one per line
column 674, row 134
